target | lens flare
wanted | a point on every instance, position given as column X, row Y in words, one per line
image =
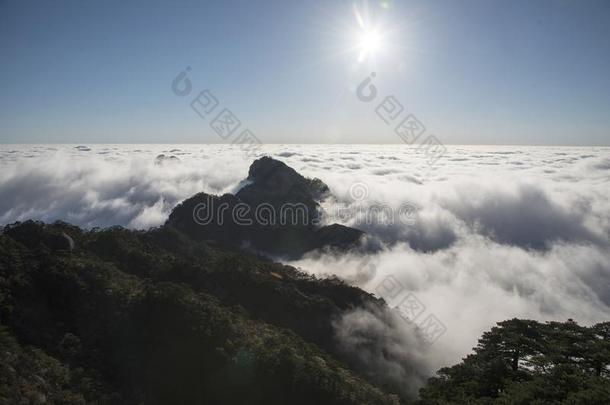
column 368, row 39
column 369, row 42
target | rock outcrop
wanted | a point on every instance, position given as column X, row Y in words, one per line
column 277, row 212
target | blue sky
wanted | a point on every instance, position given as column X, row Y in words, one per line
column 477, row 72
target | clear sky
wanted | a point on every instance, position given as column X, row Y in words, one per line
column 473, row 72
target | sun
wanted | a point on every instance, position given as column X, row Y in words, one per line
column 369, row 43
column 368, row 36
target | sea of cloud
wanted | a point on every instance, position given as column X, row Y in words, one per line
column 496, row 232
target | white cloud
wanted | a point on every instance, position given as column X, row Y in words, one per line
column 499, row 232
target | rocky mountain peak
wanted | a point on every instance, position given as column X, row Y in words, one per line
column 276, row 212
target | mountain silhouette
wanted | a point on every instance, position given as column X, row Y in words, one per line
column 277, row 212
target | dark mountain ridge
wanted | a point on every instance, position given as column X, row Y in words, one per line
column 155, row 317
column 277, row 212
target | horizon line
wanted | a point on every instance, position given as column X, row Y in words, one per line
column 298, row 144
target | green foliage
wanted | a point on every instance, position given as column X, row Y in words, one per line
column 155, row 318
column 527, row 362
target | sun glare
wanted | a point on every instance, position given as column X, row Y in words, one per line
column 369, row 43
column 368, row 39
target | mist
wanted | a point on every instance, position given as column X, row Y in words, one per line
column 494, row 232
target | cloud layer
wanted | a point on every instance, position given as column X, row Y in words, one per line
column 496, row 232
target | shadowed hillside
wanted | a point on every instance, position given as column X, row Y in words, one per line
column 152, row 316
